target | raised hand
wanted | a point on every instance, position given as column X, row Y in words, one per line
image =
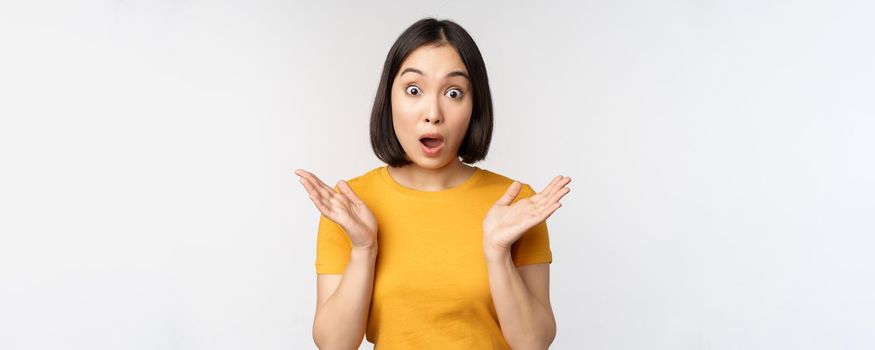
column 504, row 223
column 344, row 208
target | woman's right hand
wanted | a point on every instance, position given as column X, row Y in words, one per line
column 344, row 208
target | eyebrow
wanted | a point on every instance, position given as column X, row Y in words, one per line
column 450, row 74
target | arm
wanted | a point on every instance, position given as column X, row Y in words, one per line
column 342, row 314
column 522, row 305
column 521, row 296
column 343, row 302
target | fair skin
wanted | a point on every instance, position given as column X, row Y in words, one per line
column 431, row 94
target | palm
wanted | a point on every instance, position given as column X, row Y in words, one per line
column 506, row 222
column 343, row 207
column 356, row 216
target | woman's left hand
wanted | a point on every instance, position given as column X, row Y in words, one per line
column 505, row 223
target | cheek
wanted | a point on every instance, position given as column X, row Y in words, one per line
column 401, row 107
column 460, row 118
column 402, row 120
column 461, row 108
column 460, row 129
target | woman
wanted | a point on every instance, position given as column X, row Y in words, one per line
column 462, row 257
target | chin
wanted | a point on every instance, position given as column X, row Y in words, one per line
column 431, row 163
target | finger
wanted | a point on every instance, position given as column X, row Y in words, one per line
column 321, row 203
column 557, row 184
column 307, row 175
column 340, row 197
column 308, row 187
column 345, row 189
column 552, row 209
column 512, row 191
column 544, row 212
column 548, row 189
column 553, row 182
column 324, row 209
column 313, row 188
column 312, row 177
column 324, row 189
column 559, row 194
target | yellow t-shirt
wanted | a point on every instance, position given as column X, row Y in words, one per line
column 431, row 287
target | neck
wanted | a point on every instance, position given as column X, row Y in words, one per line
column 437, row 179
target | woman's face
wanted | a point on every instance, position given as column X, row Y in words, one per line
column 431, row 97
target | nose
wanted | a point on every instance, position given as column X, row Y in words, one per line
column 433, row 112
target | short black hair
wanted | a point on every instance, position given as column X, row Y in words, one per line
column 475, row 144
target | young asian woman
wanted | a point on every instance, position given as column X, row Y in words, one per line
column 430, row 251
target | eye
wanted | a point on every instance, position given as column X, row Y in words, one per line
column 455, row 93
column 413, row 90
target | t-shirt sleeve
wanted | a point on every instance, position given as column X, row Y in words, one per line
column 534, row 246
column 332, row 247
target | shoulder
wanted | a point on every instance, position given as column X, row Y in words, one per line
column 494, row 180
column 364, row 181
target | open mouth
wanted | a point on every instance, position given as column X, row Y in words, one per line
column 431, row 142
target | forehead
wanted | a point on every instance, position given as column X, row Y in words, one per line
column 436, row 61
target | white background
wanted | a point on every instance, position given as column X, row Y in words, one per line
column 720, row 151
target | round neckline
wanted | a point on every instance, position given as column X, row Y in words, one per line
column 460, row 188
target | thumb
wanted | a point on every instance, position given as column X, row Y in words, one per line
column 345, row 189
column 510, row 194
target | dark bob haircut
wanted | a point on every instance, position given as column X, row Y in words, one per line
column 475, row 144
